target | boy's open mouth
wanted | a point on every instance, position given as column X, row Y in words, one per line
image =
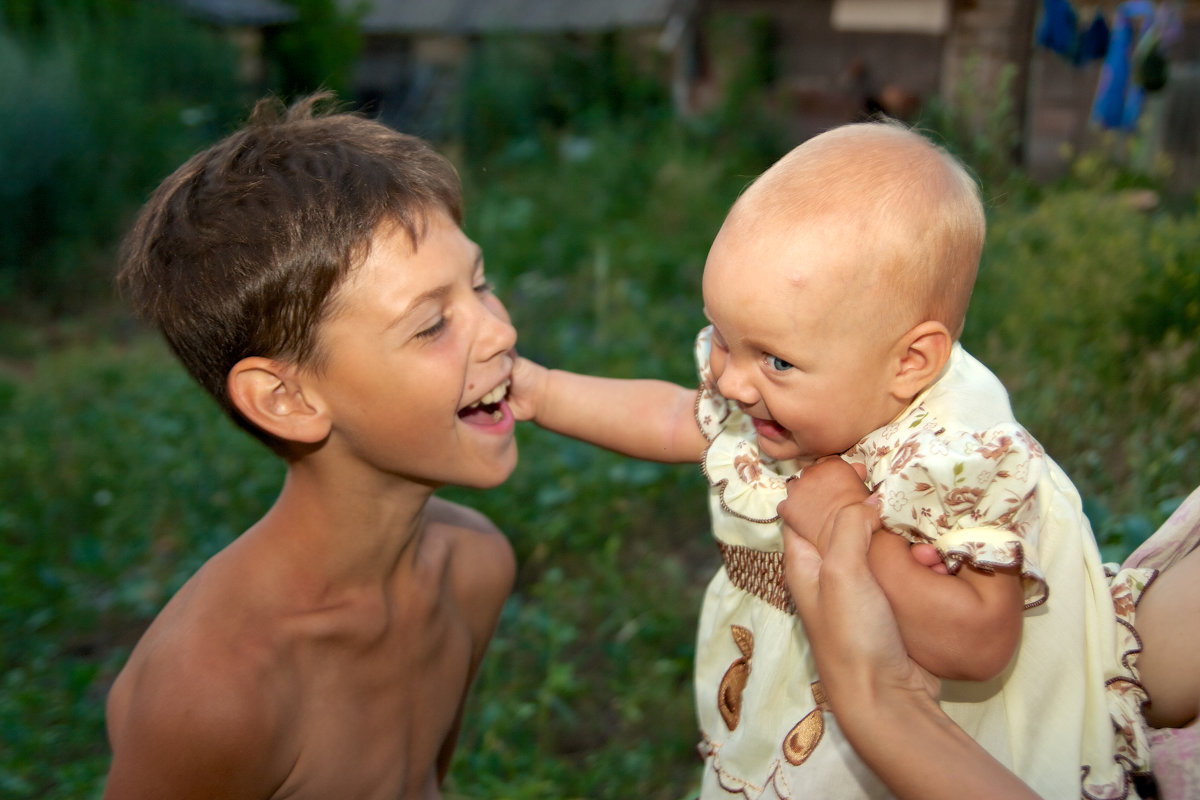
column 487, row 409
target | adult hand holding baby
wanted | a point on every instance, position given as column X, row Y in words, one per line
column 827, row 531
column 880, row 697
column 822, row 490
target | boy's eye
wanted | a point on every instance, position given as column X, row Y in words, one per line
column 778, row 364
column 484, row 288
column 433, row 330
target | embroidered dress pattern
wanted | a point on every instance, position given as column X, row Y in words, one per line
column 971, row 493
column 729, row 694
column 804, row 738
column 980, row 489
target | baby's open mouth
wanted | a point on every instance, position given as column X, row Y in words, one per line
column 770, row 429
column 487, row 408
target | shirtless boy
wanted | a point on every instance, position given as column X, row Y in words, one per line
column 311, row 274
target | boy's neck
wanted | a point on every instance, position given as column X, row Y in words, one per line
column 351, row 532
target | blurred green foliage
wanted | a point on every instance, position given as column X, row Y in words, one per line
column 517, row 89
column 100, row 101
column 1075, row 309
column 318, row 50
column 118, row 477
column 978, row 126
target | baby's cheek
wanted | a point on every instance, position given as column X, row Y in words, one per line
column 716, row 360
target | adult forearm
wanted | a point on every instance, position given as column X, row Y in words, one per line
column 875, row 723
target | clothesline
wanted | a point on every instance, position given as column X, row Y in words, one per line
column 1133, row 49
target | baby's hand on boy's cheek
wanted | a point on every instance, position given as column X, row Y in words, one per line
column 527, row 378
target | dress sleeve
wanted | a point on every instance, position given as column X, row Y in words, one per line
column 972, row 495
column 712, row 410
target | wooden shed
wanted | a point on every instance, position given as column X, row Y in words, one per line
column 828, row 60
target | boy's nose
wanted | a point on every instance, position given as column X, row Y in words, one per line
column 498, row 334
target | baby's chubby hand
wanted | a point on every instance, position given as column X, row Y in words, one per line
column 528, row 381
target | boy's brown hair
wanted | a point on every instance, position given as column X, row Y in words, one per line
column 241, row 250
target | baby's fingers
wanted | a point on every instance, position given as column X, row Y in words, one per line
column 928, row 556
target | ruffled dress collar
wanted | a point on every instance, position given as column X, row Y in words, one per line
column 749, row 485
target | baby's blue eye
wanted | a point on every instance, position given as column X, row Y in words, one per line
column 778, row 364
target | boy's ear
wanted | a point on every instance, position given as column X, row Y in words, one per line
column 920, row 356
column 276, row 397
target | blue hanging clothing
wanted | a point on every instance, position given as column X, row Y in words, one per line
column 1058, row 30
column 1118, row 99
column 1093, row 42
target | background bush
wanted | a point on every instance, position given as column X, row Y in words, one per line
column 1077, row 310
column 118, row 477
column 100, row 101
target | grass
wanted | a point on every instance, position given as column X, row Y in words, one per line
column 118, row 477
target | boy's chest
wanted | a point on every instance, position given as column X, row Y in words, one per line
column 371, row 721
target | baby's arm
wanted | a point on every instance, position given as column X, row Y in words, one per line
column 647, row 419
column 963, row 627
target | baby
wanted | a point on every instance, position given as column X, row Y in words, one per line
column 837, row 289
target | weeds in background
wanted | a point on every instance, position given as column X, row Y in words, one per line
column 89, row 128
column 118, row 478
column 977, row 125
column 102, row 99
column 1086, row 308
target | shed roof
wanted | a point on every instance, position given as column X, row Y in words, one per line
column 490, row 16
column 253, row 13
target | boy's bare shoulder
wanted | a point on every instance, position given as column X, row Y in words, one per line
column 482, row 563
column 197, row 694
column 476, row 544
column 468, row 520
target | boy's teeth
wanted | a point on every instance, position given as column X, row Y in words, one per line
column 494, row 396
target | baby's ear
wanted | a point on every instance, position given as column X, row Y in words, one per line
column 920, row 356
column 278, row 398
